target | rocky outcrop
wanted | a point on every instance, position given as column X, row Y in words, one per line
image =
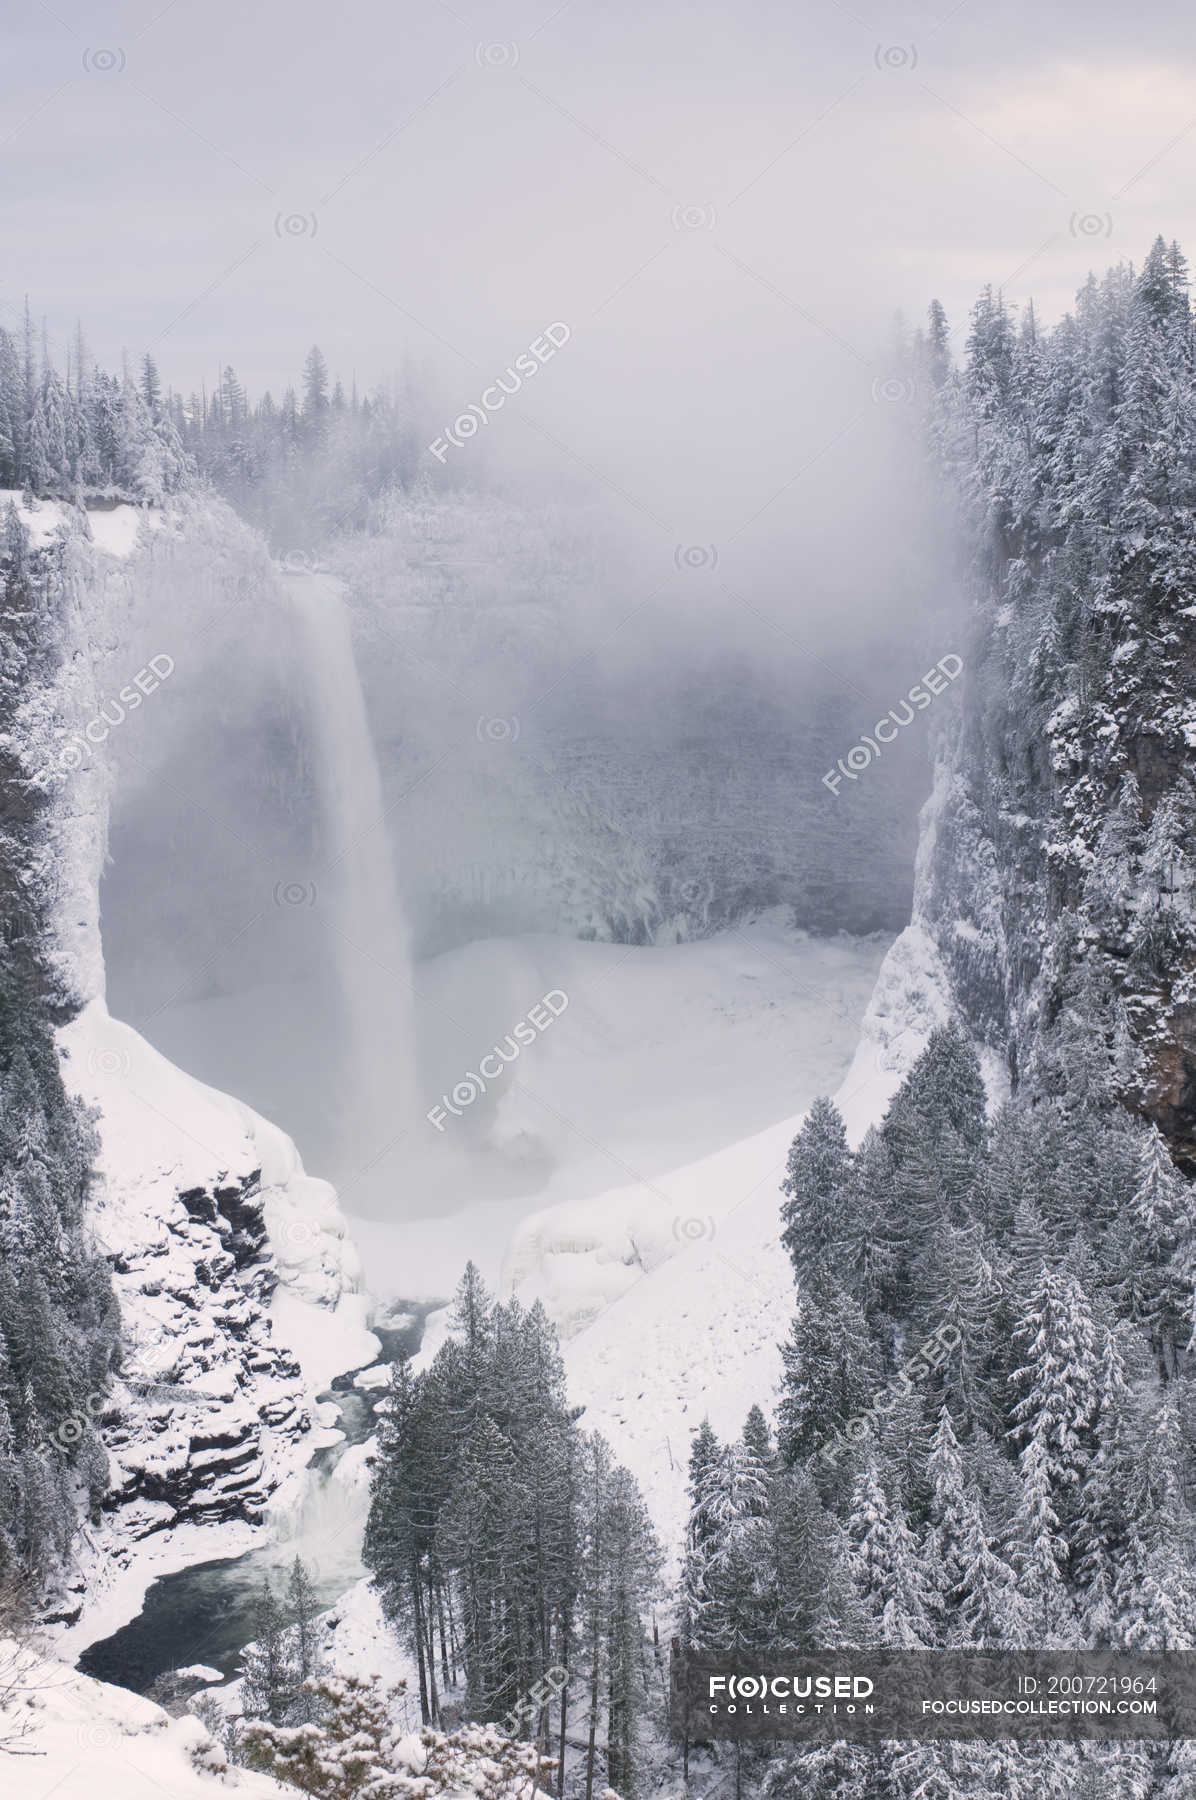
column 1055, row 878
column 211, row 1395
column 1059, row 880
column 239, row 1299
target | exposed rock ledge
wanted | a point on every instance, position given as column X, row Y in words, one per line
column 240, row 1298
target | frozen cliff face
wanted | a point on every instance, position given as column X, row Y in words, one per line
column 560, row 751
column 194, row 1193
column 593, row 740
column 1055, row 874
column 1058, row 876
column 238, row 1289
column 132, row 598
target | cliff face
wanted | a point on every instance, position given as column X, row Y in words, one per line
column 239, row 1293
column 1057, row 874
column 1056, row 880
column 557, row 755
column 605, row 766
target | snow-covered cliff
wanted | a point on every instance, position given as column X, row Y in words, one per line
column 1057, row 880
column 239, row 1291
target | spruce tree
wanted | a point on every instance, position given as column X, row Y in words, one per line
column 894, row 1582
column 815, row 1188
column 833, row 1372
column 269, row 1675
column 303, row 1609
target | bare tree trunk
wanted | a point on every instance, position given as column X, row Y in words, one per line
column 446, row 1679
column 590, row 1750
column 564, row 1721
column 429, row 1629
column 418, row 1602
column 675, row 1648
column 455, row 1648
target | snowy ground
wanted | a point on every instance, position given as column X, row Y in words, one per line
column 88, row 1741
column 115, row 529
column 661, row 1055
column 700, row 1334
column 692, row 1325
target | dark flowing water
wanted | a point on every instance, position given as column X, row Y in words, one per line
column 205, row 1613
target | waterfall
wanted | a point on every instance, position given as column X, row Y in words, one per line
column 369, row 942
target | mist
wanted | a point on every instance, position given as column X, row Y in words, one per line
column 596, row 727
column 725, row 210
column 662, row 548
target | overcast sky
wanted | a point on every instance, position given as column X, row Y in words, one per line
column 723, row 202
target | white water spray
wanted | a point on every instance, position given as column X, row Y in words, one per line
column 370, row 942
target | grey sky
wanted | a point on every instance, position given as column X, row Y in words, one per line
column 725, row 203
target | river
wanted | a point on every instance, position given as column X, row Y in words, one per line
column 205, row 1613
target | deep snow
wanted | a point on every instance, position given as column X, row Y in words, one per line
column 89, row 1741
column 701, row 1335
column 623, row 1168
column 663, row 1054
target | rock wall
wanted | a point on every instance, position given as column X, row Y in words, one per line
column 1056, row 873
column 213, row 1230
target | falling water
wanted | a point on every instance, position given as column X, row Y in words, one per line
column 369, row 940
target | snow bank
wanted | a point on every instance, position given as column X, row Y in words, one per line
column 358, row 1640
column 163, row 1132
column 114, row 529
column 700, row 1333
column 87, row 1741
column 697, row 1041
column 911, row 997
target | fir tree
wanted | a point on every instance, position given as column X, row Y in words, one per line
column 833, row 1372
column 815, row 1188
column 894, row 1583
column 269, row 1675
